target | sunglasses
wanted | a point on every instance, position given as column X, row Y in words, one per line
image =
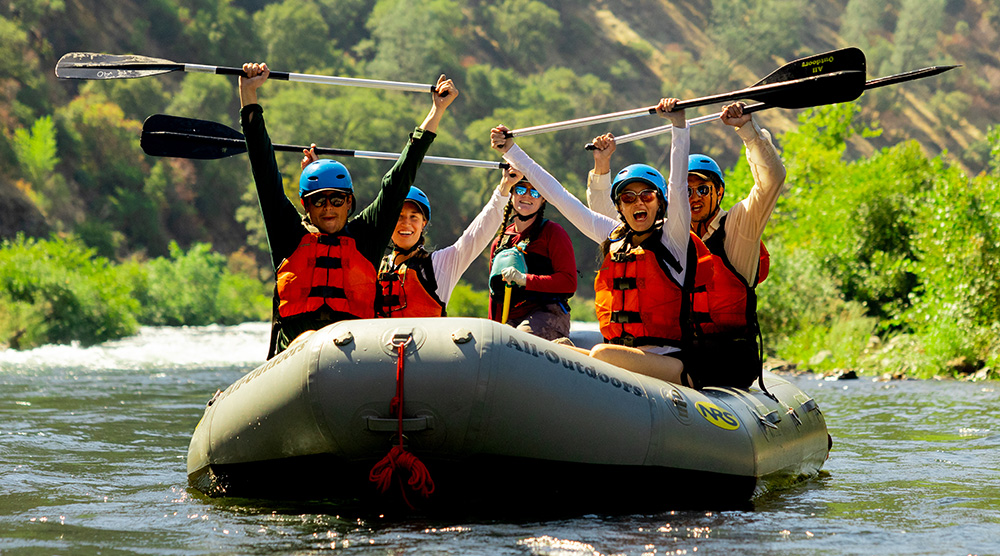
column 319, row 201
column 523, row 190
column 629, row 197
column 701, row 189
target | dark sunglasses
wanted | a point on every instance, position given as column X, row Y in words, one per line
column 319, row 201
column 701, row 189
column 523, row 190
column 629, row 197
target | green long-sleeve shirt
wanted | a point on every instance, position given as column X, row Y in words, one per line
column 371, row 228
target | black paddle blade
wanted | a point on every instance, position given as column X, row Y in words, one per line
column 845, row 59
column 841, row 86
column 90, row 65
column 164, row 135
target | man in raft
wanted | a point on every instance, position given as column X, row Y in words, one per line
column 325, row 264
column 728, row 349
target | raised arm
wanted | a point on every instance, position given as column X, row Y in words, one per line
column 373, row 226
column 452, row 261
column 593, row 225
column 599, row 179
column 748, row 218
column 677, row 228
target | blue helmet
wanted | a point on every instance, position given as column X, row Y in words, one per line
column 417, row 196
column 705, row 167
column 638, row 172
column 322, row 175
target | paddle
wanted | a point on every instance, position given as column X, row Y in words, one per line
column 506, row 303
column 782, row 88
column 870, row 84
column 91, row 65
column 164, row 135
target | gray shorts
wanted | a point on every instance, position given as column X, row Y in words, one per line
column 549, row 322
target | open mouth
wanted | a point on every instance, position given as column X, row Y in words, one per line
column 640, row 215
column 405, row 233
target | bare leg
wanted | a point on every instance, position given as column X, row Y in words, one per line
column 662, row 367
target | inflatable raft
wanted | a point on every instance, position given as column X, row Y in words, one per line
column 493, row 419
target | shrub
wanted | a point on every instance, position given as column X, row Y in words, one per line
column 59, row 291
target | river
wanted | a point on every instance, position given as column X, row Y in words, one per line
column 93, row 447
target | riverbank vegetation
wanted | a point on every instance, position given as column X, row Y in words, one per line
column 883, row 245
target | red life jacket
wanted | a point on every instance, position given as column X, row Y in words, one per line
column 326, row 270
column 732, row 302
column 409, row 290
column 639, row 303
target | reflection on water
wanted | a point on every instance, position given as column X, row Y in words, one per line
column 93, row 446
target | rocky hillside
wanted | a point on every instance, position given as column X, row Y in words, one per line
column 643, row 49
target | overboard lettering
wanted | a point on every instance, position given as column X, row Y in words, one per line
column 554, row 358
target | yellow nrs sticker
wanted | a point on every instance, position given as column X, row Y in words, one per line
column 717, row 416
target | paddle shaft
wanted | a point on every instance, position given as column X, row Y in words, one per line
column 89, row 65
column 317, row 79
column 230, row 146
column 506, row 303
column 780, row 94
column 749, row 109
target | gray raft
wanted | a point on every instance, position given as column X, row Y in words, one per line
column 503, row 421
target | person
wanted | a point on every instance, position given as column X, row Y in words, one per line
column 652, row 264
column 325, row 265
column 415, row 283
column 540, row 289
column 731, row 337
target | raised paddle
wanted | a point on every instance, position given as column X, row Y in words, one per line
column 164, row 135
column 91, row 65
column 870, row 84
column 838, row 72
column 840, row 86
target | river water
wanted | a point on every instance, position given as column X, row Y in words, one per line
column 93, row 446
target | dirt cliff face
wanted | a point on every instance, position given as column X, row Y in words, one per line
column 18, row 214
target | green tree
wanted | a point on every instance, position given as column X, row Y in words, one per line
column 294, row 35
column 404, row 55
column 915, row 37
column 524, row 28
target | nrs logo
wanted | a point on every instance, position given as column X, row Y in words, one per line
column 718, row 416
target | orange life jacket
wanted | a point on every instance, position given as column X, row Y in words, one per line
column 409, row 290
column 639, row 303
column 326, row 270
column 732, row 302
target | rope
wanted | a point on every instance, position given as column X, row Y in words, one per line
column 398, row 458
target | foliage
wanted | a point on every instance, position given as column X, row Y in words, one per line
column 526, row 27
column 195, row 288
column 468, row 302
column 756, row 31
column 403, row 55
column 59, row 291
column 36, row 151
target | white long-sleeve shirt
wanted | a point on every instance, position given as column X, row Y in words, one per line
column 676, row 229
column 451, row 262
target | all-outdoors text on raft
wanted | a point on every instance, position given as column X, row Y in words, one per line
column 552, row 357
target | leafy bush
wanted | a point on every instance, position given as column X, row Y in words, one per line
column 59, row 291
column 196, row 288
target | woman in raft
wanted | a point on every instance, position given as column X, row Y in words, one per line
column 533, row 268
column 416, row 283
column 653, row 265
